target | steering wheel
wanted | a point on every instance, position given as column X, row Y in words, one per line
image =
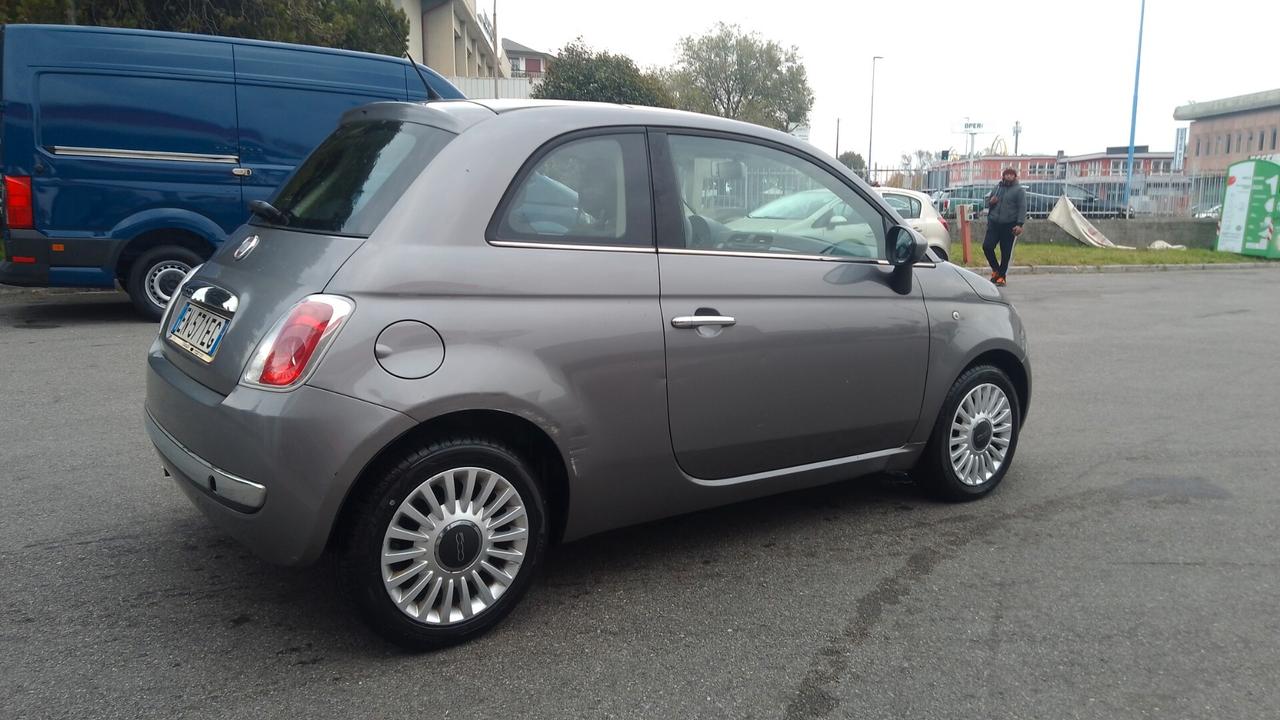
column 699, row 232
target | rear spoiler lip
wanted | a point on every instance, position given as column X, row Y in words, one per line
column 452, row 116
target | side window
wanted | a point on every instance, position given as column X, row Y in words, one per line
column 589, row 191
column 738, row 196
column 907, row 206
column 1076, row 193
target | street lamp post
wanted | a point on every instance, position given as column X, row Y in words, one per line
column 871, row 130
column 1133, row 119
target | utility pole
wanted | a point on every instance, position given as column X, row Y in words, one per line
column 1133, row 120
column 837, row 138
column 971, row 129
column 497, row 50
column 871, row 130
column 1017, row 130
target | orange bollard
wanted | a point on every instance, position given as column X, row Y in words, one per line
column 962, row 212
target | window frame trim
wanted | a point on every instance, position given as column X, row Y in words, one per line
column 493, row 237
column 667, row 224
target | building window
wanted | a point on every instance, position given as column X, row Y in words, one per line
column 1228, row 144
column 1239, row 141
column 1197, row 147
column 1117, row 167
column 1273, row 138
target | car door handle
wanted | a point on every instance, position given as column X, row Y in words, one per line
column 695, row 321
column 242, row 171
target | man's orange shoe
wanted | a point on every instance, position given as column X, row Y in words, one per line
column 994, row 276
column 999, row 281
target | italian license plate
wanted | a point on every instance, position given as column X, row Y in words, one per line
column 197, row 331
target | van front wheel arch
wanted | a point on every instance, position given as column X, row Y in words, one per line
column 154, row 275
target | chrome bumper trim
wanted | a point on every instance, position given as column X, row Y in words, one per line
column 234, row 491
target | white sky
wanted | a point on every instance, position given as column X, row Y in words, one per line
column 1064, row 68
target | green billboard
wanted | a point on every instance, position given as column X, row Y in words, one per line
column 1251, row 209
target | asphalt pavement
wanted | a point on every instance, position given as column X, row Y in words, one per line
column 1127, row 568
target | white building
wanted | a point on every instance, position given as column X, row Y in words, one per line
column 454, row 38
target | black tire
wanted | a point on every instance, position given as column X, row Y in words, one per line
column 165, row 260
column 361, row 541
column 935, row 468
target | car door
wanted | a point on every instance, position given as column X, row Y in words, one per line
column 783, row 349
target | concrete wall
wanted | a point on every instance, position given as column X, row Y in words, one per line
column 1135, row 233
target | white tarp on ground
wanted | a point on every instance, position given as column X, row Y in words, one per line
column 1066, row 216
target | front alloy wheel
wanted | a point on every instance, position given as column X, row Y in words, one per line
column 981, row 431
column 974, row 436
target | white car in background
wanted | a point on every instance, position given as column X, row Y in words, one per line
column 917, row 209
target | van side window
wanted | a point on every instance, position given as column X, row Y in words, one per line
column 104, row 112
column 588, row 191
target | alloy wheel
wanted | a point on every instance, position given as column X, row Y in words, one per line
column 981, row 433
column 454, row 546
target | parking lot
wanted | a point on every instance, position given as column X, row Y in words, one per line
column 1126, row 568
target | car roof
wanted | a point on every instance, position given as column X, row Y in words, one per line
column 904, row 191
column 459, row 115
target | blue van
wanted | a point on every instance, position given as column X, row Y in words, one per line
column 128, row 155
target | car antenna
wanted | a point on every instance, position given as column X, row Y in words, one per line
column 431, row 92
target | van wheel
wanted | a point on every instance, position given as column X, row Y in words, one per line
column 155, row 275
column 974, row 437
column 443, row 544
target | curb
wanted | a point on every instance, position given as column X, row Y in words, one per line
column 1079, row 269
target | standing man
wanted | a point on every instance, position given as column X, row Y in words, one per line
column 1007, row 215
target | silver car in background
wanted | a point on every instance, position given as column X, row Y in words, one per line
column 918, row 210
column 463, row 331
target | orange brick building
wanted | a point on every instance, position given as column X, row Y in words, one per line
column 1231, row 129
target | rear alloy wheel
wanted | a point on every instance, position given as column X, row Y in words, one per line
column 444, row 546
column 155, row 276
column 974, row 437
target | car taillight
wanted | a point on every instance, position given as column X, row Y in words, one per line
column 17, row 202
column 296, row 341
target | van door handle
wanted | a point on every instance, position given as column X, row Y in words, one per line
column 242, row 171
column 695, row 321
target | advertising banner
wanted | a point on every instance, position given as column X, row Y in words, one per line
column 1250, row 210
column 1068, row 217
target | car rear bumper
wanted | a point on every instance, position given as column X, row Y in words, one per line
column 270, row 469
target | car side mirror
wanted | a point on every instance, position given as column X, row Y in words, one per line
column 837, row 220
column 906, row 246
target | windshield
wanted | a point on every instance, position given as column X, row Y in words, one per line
column 796, row 206
column 353, row 178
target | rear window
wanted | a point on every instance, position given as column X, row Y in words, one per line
column 353, row 178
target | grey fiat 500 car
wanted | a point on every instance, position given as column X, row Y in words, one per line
column 464, row 331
